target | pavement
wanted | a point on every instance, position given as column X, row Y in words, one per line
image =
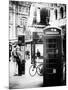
column 25, row 81
column 20, row 82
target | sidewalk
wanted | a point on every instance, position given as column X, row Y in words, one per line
column 20, row 82
column 25, row 81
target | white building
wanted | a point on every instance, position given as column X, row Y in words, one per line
column 53, row 14
column 28, row 17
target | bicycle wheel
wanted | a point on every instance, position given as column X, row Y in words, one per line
column 32, row 70
column 40, row 70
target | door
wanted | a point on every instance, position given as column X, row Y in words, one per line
column 52, row 60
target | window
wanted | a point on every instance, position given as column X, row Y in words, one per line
column 56, row 14
column 61, row 12
column 44, row 15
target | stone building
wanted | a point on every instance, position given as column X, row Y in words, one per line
column 44, row 14
column 28, row 17
column 18, row 15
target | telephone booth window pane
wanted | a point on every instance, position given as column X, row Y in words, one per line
column 50, row 40
column 51, row 45
column 51, row 48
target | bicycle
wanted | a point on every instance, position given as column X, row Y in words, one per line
column 36, row 69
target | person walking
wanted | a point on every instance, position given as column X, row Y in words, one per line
column 19, row 60
column 38, row 53
column 27, row 54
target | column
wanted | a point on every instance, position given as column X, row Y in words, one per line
column 31, row 17
column 52, row 16
column 14, row 23
column 38, row 15
column 58, row 13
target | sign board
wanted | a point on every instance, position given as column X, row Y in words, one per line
column 51, row 32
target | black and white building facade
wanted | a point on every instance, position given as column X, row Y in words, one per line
column 37, row 44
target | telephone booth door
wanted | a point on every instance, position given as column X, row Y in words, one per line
column 52, row 60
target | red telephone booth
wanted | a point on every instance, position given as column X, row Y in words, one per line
column 21, row 43
column 52, row 56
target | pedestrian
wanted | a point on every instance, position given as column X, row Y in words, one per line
column 38, row 55
column 19, row 60
column 27, row 54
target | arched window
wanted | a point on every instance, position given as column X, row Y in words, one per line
column 61, row 12
column 65, row 10
column 56, row 14
column 44, row 16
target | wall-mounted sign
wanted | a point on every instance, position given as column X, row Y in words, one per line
column 37, row 36
column 51, row 32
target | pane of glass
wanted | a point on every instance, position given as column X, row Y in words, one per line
column 50, row 40
column 51, row 45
